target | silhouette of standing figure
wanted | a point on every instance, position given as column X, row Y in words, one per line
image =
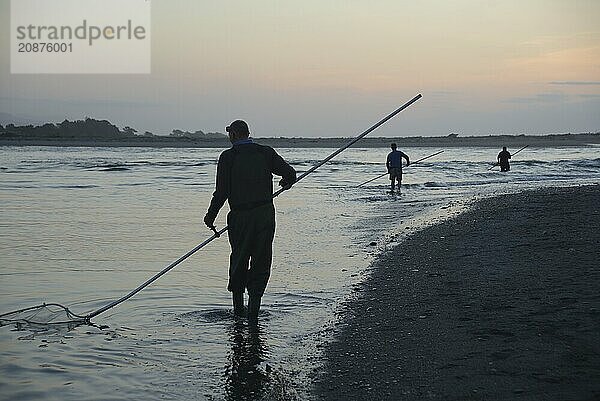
column 394, row 165
column 245, row 179
column 503, row 157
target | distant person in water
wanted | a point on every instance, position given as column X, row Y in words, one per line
column 503, row 157
column 245, row 179
column 394, row 165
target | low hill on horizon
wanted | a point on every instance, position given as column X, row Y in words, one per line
column 92, row 132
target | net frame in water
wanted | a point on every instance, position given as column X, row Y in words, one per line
column 16, row 317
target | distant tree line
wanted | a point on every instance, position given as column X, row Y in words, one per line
column 196, row 135
column 91, row 129
column 80, row 129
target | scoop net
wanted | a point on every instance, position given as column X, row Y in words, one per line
column 41, row 317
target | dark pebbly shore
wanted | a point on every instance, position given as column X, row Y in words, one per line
column 499, row 303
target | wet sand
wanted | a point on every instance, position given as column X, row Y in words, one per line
column 499, row 303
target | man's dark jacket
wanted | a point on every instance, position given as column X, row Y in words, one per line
column 245, row 177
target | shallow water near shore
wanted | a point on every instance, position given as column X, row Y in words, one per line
column 84, row 226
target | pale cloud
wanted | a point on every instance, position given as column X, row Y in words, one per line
column 578, row 83
column 541, row 98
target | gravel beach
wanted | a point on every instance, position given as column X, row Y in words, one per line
column 499, row 303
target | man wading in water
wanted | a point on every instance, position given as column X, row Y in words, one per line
column 503, row 157
column 394, row 165
column 245, row 180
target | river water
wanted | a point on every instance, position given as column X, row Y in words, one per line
column 84, row 226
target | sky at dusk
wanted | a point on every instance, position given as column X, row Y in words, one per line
column 332, row 68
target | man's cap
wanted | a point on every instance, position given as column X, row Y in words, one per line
column 238, row 127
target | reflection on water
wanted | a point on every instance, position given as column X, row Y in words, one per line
column 245, row 379
column 248, row 376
